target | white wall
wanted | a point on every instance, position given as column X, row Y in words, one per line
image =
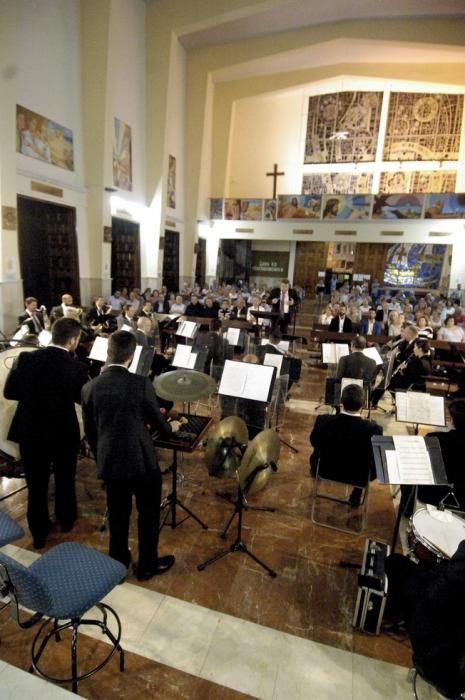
column 265, row 130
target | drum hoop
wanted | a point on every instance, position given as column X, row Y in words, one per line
column 421, row 539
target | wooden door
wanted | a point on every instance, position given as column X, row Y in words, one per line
column 310, row 258
column 171, row 261
column 125, row 254
column 48, row 251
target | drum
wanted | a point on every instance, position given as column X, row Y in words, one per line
column 434, row 535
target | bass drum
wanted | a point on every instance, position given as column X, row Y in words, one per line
column 434, row 535
column 8, row 408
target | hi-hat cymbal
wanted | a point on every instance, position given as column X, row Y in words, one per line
column 184, row 385
column 263, row 450
column 223, row 452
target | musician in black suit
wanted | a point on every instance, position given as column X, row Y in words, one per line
column 117, row 407
column 357, row 365
column 32, row 317
column 341, row 323
column 47, row 383
column 59, row 311
column 284, row 301
column 411, row 373
column 99, row 315
column 430, row 602
column 342, row 443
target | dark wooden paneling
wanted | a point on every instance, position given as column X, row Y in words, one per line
column 125, row 254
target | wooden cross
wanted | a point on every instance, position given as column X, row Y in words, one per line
column 274, row 175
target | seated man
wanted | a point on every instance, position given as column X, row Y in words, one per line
column 341, row 323
column 342, row 443
column 430, row 602
column 411, row 373
column 370, row 326
column 356, row 365
column 33, row 317
column 291, row 365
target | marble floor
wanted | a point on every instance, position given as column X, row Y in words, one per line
column 231, row 630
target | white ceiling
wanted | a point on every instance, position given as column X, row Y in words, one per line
column 281, row 15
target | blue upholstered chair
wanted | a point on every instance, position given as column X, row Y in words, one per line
column 9, row 530
column 61, row 586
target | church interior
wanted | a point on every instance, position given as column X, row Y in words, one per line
column 213, row 148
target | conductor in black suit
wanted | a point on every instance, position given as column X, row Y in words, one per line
column 342, row 443
column 47, row 383
column 117, row 407
column 284, row 301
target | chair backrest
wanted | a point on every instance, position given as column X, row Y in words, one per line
column 28, row 589
column 9, row 529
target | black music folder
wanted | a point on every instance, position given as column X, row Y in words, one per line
column 382, row 444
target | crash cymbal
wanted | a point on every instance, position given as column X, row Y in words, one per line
column 224, row 450
column 184, row 385
column 264, row 449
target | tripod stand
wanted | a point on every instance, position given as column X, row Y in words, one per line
column 238, row 545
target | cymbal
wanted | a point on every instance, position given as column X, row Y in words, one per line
column 264, row 449
column 223, row 452
column 184, row 385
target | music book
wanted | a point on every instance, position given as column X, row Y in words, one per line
column 99, row 349
column 409, row 462
column 186, row 329
column 45, row 338
column 232, row 336
column 247, row 381
column 346, row 381
column 332, row 352
column 127, row 328
column 419, row 407
column 135, row 360
column 184, row 357
column 165, row 317
column 273, row 360
column 283, row 345
column 373, row 354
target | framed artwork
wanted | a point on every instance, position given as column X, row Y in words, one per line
column 343, row 127
column 232, row 209
column 418, row 181
column 423, row 126
column 171, row 189
column 398, row 206
column 299, row 206
column 337, row 183
column 43, row 139
column 270, row 209
column 445, row 206
column 122, row 156
column 251, row 209
column 216, row 209
column 349, row 206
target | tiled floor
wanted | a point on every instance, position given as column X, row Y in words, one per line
column 231, row 630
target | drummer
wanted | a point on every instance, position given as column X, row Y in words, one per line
column 430, row 603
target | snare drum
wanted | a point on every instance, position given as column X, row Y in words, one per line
column 434, row 535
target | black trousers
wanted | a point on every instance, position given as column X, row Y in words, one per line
column 147, row 492
column 39, row 458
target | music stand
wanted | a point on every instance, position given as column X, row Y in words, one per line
column 382, row 444
column 418, row 407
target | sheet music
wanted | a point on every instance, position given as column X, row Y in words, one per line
column 346, row 381
column 413, row 460
column 273, row 360
column 187, row 329
column 373, row 354
column 392, row 468
column 283, row 345
column 125, row 327
column 45, row 338
column 232, row 336
column 246, row 381
column 419, row 407
column 332, row 352
column 99, row 349
column 184, row 357
column 135, row 360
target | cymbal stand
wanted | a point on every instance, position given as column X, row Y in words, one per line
column 171, row 501
column 238, row 545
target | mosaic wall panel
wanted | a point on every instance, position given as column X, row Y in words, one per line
column 342, row 127
column 423, row 126
column 337, row 183
column 418, row 181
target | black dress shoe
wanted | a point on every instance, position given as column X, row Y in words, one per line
column 163, row 565
column 39, row 540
